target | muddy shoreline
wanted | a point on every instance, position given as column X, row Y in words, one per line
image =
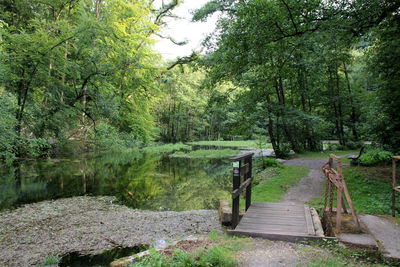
column 90, row 225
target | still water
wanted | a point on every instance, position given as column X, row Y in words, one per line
column 139, row 180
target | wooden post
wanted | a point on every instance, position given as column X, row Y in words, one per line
column 339, row 209
column 393, row 187
column 235, row 200
column 248, row 188
column 330, row 188
column 336, row 178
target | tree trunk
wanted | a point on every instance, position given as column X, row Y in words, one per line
column 339, row 104
column 332, row 91
column 353, row 109
column 271, row 126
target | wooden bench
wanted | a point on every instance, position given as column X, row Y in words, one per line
column 355, row 158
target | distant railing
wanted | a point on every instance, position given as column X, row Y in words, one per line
column 242, row 166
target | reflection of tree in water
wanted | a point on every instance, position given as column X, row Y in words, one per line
column 139, row 180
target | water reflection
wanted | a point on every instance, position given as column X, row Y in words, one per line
column 139, row 180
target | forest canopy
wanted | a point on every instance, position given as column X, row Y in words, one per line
column 297, row 71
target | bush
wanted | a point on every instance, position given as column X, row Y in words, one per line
column 108, row 137
column 284, row 150
column 270, row 162
column 376, row 157
column 215, row 256
column 351, row 145
column 38, row 147
column 8, row 137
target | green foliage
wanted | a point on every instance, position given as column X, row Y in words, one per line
column 371, row 194
column 166, row 148
column 215, row 256
column 8, row 137
column 109, row 138
column 383, row 62
column 38, row 147
column 270, row 162
column 341, row 255
column 86, row 72
column 51, row 260
column 369, row 188
column 376, row 157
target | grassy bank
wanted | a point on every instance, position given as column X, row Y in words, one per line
column 166, row 148
column 206, row 153
column 246, row 144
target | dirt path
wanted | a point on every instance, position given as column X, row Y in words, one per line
column 310, row 186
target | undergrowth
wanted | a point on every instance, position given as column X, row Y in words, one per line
column 343, row 256
column 217, row 252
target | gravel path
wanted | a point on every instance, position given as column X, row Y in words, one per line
column 310, row 186
column 90, row 225
column 268, row 253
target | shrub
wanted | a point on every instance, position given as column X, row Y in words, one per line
column 270, row 162
column 376, row 157
column 38, row 147
column 350, row 145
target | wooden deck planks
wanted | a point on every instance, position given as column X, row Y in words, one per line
column 278, row 221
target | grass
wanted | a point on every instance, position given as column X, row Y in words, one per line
column 247, row 144
column 51, row 260
column 203, row 153
column 333, row 253
column 275, row 186
column 369, row 189
column 165, row 148
column 325, row 154
column 271, row 184
column 216, row 250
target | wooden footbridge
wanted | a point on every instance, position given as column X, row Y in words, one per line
column 275, row 221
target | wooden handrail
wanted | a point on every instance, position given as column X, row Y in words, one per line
column 241, row 169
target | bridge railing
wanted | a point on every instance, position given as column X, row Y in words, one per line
column 242, row 167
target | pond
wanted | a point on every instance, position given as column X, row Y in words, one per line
column 142, row 180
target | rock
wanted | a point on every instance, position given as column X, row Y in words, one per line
column 225, row 212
